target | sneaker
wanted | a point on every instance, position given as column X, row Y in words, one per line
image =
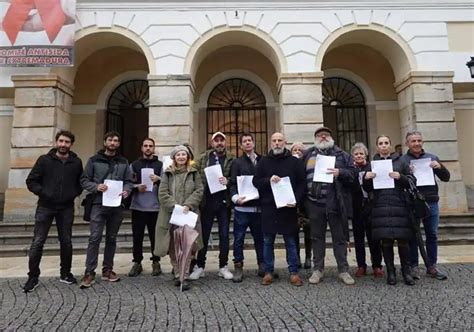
column 197, row 273
column 155, row 269
column 238, row 272
column 316, row 277
column 296, row 280
column 109, row 275
column 378, row 272
column 135, row 270
column 225, row 273
column 346, row 278
column 361, row 272
column 87, row 280
column 435, row 273
column 267, row 279
column 68, row 278
column 415, row 272
column 30, row 285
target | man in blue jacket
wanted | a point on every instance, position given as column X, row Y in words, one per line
column 55, row 180
column 414, row 141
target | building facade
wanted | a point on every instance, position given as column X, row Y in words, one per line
column 178, row 71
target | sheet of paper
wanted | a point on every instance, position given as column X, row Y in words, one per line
column 381, row 168
column 361, row 178
column 167, row 161
column 283, row 192
column 213, row 173
column 321, row 168
column 246, row 188
column 180, row 219
column 146, row 172
column 423, row 172
column 112, row 197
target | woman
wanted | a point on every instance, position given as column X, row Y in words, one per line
column 361, row 211
column 391, row 218
column 297, row 150
column 180, row 184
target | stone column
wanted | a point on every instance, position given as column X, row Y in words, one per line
column 301, row 105
column 170, row 113
column 426, row 104
column 42, row 107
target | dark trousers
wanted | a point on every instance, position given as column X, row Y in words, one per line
column 403, row 253
column 360, row 230
column 110, row 218
column 43, row 221
column 319, row 218
column 220, row 211
column 140, row 220
column 430, row 226
column 307, row 242
column 242, row 221
column 269, row 252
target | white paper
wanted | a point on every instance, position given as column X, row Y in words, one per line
column 180, row 219
column 423, row 172
column 213, row 173
column 361, row 180
column 146, row 172
column 321, row 168
column 382, row 168
column 112, row 196
column 246, row 188
column 283, row 192
column 167, row 162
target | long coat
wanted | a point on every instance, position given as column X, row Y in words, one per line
column 170, row 193
column 391, row 212
column 283, row 220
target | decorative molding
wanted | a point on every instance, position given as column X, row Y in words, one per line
column 83, row 109
column 464, row 104
column 6, row 110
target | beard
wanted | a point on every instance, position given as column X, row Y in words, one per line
column 63, row 151
column 277, row 151
column 323, row 145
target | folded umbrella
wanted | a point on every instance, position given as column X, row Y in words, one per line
column 184, row 238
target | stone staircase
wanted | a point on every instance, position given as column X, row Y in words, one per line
column 15, row 237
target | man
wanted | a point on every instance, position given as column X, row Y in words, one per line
column 414, row 142
column 55, row 180
column 106, row 164
column 271, row 169
column 145, row 207
column 247, row 213
column 215, row 205
column 329, row 203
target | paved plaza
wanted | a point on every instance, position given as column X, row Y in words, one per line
column 146, row 302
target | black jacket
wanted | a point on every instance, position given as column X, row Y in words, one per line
column 242, row 166
column 100, row 167
column 391, row 216
column 430, row 192
column 138, row 164
column 283, row 220
column 361, row 205
column 55, row 182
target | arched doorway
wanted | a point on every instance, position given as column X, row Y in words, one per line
column 127, row 113
column 344, row 112
column 236, row 106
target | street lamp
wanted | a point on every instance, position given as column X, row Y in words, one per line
column 470, row 65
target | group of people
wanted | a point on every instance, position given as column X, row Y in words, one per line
column 384, row 216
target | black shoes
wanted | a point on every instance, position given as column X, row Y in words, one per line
column 68, row 278
column 30, row 284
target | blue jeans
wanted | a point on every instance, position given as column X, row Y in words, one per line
column 430, row 225
column 269, row 254
column 242, row 220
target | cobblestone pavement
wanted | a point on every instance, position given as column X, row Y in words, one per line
column 146, row 303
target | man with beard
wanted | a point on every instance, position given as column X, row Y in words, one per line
column 215, row 205
column 278, row 164
column 145, row 207
column 55, row 180
column 106, row 164
column 329, row 203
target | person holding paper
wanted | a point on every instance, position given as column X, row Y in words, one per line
column 362, row 205
column 145, row 205
column 181, row 184
column 391, row 218
column 329, row 202
column 273, row 168
column 216, row 205
column 106, row 164
column 247, row 213
column 414, row 142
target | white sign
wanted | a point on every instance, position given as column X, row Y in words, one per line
column 321, row 168
column 112, row 197
column 246, row 188
column 179, row 218
column 382, row 168
column 423, row 172
column 213, row 173
column 146, row 180
column 283, row 192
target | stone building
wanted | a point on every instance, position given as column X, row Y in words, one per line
column 180, row 70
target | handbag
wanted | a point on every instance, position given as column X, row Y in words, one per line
column 421, row 209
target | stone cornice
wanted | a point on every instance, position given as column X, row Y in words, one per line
column 43, row 81
column 300, row 79
column 171, row 80
column 426, row 77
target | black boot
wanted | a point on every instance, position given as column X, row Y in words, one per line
column 404, row 253
column 387, row 251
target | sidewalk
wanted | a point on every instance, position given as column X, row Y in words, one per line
column 18, row 266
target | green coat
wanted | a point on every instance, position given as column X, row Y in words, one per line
column 189, row 192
